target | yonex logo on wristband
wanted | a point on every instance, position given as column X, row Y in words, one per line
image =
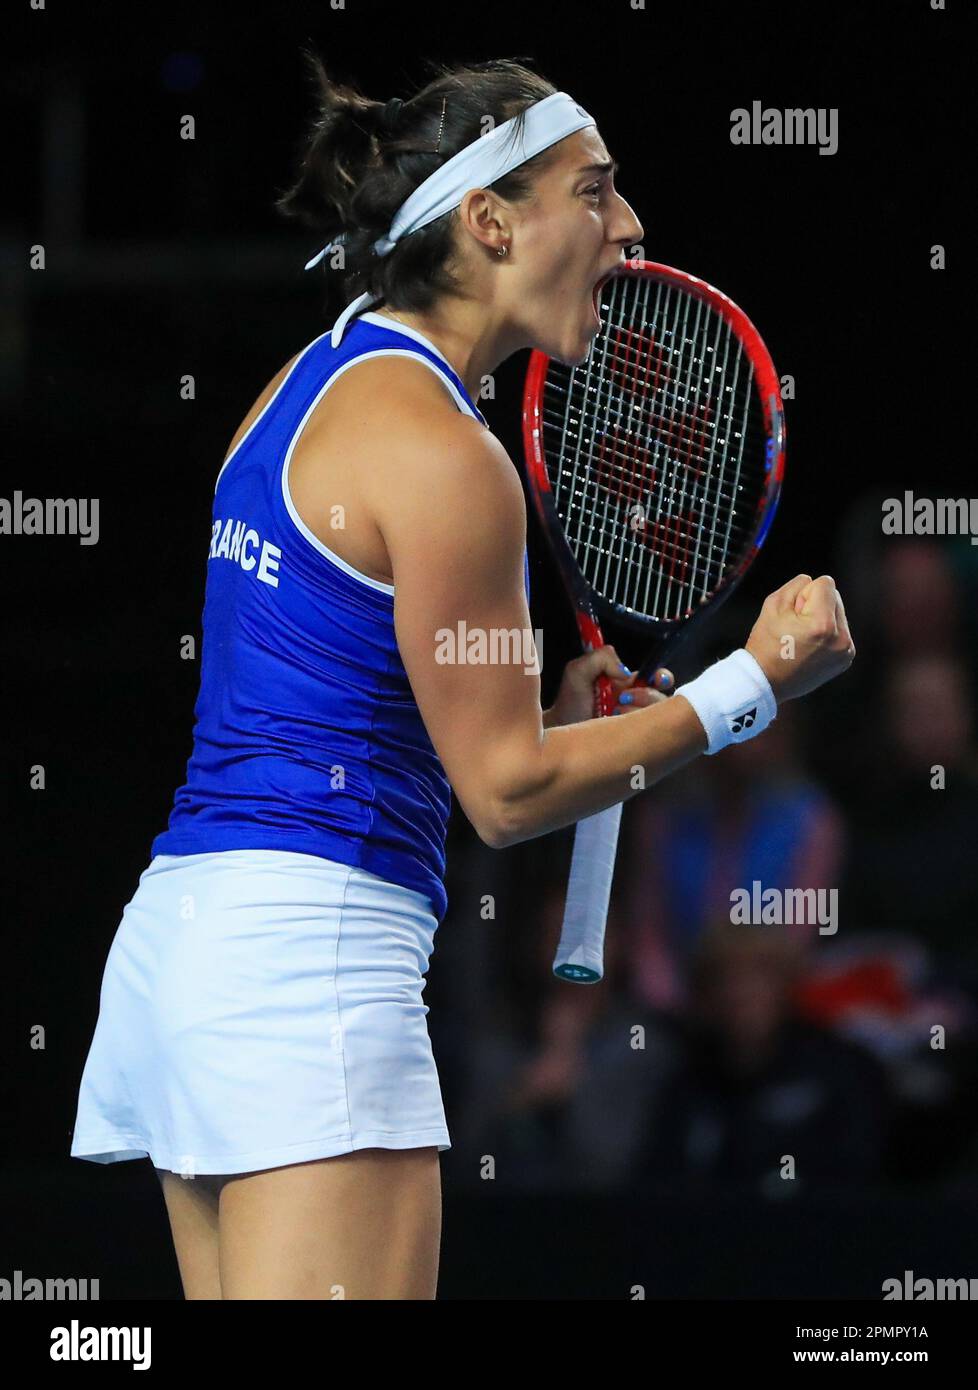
column 743, row 721
column 718, row 697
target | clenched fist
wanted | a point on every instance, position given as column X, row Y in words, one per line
column 801, row 638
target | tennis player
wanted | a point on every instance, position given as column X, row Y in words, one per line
column 261, row 1034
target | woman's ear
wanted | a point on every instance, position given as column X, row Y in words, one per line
column 483, row 215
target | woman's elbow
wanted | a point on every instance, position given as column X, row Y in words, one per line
column 498, row 835
column 508, row 812
column 492, row 828
column 504, row 822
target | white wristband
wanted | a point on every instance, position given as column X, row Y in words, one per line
column 733, row 699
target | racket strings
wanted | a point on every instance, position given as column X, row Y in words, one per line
column 667, row 534
column 670, row 536
column 652, row 449
column 700, row 434
column 683, row 530
column 626, row 468
column 671, row 532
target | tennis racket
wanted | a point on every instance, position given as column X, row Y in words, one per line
column 655, row 468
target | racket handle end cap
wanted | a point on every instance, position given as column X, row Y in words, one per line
column 577, row 974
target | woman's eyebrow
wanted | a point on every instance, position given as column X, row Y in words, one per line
column 608, row 166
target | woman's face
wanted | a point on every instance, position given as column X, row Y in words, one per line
column 566, row 239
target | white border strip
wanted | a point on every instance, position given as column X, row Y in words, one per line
column 384, row 322
column 268, row 404
column 313, row 540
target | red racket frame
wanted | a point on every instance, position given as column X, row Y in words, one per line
column 586, row 603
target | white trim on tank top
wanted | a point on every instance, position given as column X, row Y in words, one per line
column 371, row 318
column 270, row 402
column 300, row 525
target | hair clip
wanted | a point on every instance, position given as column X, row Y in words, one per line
column 441, row 126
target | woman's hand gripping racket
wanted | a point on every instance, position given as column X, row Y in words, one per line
column 655, row 467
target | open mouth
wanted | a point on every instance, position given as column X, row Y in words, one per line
column 596, row 297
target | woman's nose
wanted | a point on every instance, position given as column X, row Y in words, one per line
column 628, row 229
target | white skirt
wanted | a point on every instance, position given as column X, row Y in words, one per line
column 260, row 1008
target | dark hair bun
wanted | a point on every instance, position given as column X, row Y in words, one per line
column 362, row 159
column 390, row 115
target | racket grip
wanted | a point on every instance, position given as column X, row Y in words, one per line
column 580, row 954
column 604, row 698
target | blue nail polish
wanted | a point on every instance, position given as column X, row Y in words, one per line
column 626, row 699
column 624, row 668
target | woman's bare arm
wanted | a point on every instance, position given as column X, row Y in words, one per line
column 453, row 518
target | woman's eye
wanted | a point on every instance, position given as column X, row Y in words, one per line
column 594, row 189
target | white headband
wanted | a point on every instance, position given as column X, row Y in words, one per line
column 477, row 165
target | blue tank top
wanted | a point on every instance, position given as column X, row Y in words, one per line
column 307, row 736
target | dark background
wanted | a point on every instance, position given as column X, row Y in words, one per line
column 166, row 257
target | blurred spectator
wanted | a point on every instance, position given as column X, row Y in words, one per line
column 906, row 597
column 911, row 863
column 750, row 813
column 561, row 1088
column 904, row 592
column 919, row 597
column 758, row 1084
column 879, row 989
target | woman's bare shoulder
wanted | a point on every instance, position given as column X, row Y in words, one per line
column 406, row 387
